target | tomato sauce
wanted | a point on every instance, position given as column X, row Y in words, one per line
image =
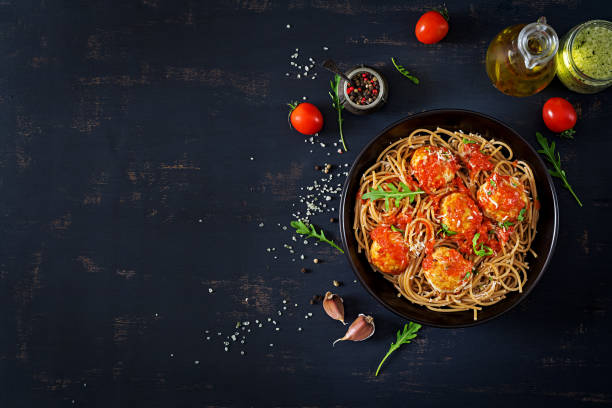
column 400, row 220
column 461, row 185
column 503, row 233
column 435, row 199
column 487, row 237
column 475, row 160
column 488, row 233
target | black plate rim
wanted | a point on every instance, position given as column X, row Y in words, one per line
column 343, row 231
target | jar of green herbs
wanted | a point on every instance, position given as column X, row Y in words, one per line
column 584, row 60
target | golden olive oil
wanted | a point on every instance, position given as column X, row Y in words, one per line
column 519, row 59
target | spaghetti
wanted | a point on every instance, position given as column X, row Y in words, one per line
column 448, row 218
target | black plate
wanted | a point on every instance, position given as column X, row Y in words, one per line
column 468, row 121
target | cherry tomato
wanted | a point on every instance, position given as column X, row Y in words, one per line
column 306, row 118
column 559, row 115
column 431, row 27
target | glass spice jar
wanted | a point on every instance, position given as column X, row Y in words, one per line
column 584, row 61
column 366, row 93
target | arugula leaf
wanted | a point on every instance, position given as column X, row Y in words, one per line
column 397, row 195
column 337, row 105
column 310, row 231
column 468, row 141
column 405, row 72
column 482, row 249
column 521, row 216
column 405, row 337
column 549, row 153
column 394, row 228
column 444, row 229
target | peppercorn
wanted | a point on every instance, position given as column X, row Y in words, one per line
column 317, row 167
column 304, row 270
column 332, row 219
column 316, row 299
column 363, row 89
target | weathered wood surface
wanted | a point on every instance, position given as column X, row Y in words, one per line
column 127, row 191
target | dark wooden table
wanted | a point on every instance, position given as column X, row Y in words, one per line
column 145, row 158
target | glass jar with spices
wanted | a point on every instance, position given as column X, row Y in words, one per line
column 584, row 61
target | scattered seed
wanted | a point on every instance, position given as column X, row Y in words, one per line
column 316, row 260
column 316, row 299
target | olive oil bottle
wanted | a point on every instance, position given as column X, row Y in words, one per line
column 520, row 60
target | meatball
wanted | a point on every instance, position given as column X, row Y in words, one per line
column 502, row 197
column 446, row 270
column 433, row 166
column 389, row 252
column 460, row 214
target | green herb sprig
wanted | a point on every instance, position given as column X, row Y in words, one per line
column 405, row 72
column 521, row 216
column 468, row 141
column 394, row 228
column 482, row 249
column 444, row 230
column 405, row 337
column 333, row 94
column 555, row 160
column 506, row 224
column 394, row 192
column 310, row 231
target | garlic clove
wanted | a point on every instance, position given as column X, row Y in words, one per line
column 361, row 329
column 334, row 306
